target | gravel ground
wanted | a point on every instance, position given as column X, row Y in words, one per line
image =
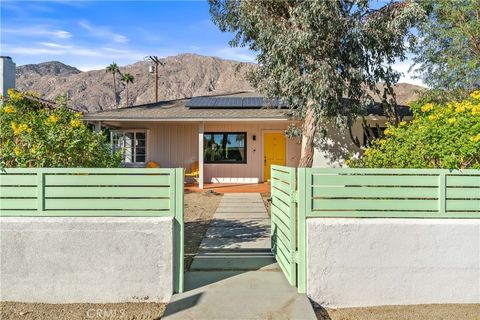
column 199, row 210
column 410, row 312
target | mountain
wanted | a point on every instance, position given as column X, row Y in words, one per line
column 181, row 76
column 54, row 68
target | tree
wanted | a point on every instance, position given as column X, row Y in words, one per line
column 442, row 135
column 113, row 69
column 127, row 78
column 448, row 51
column 314, row 54
column 32, row 135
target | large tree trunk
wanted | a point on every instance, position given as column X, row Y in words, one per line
column 309, row 130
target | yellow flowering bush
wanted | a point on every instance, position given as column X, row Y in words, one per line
column 33, row 136
column 441, row 135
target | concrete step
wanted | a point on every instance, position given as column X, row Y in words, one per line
column 233, row 222
column 234, row 261
column 241, row 215
column 237, row 232
column 215, row 244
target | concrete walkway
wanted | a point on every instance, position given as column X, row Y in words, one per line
column 234, row 275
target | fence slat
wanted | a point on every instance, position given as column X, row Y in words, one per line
column 377, row 204
column 463, row 180
column 107, row 192
column 374, row 180
column 106, row 204
column 373, row 192
column 19, row 204
column 463, row 205
column 463, row 193
column 107, row 180
column 18, row 179
column 18, row 192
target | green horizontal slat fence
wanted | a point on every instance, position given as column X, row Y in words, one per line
column 381, row 193
column 87, row 192
column 283, row 214
column 92, row 192
column 392, row 193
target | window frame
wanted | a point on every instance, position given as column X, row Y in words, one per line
column 134, row 156
column 227, row 133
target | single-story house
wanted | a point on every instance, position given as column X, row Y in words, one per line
column 231, row 138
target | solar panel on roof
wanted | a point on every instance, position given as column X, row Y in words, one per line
column 230, row 102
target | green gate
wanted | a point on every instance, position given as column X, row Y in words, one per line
column 284, row 221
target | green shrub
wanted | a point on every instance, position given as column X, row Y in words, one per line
column 33, row 136
column 441, row 135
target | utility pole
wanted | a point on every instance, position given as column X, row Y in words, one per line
column 155, row 62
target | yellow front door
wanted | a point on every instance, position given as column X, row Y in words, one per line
column 274, row 152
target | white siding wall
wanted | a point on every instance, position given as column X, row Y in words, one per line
column 172, row 145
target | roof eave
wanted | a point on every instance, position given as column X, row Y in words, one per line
column 185, row 119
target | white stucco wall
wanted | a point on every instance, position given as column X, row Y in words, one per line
column 67, row 260
column 368, row 262
column 336, row 146
column 7, row 75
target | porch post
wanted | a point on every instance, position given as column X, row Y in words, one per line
column 98, row 126
column 200, row 154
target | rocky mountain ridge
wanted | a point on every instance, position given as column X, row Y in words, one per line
column 181, row 76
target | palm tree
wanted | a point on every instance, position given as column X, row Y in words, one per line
column 127, row 78
column 113, row 69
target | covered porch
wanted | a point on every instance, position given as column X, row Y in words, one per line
column 242, row 164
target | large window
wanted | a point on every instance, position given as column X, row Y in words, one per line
column 133, row 145
column 225, row 147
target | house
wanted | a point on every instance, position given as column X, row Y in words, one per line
column 232, row 138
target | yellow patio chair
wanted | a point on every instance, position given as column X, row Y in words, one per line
column 195, row 171
column 152, row 164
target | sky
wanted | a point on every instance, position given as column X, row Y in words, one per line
column 90, row 35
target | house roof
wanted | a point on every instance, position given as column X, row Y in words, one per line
column 235, row 106
column 178, row 110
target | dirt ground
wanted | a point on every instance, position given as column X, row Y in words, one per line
column 81, row 311
column 199, row 210
column 267, row 201
column 412, row 312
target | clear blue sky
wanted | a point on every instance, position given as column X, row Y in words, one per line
column 91, row 34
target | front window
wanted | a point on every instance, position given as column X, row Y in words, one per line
column 225, row 147
column 132, row 145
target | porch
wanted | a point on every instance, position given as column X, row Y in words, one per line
column 263, row 187
column 233, row 156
